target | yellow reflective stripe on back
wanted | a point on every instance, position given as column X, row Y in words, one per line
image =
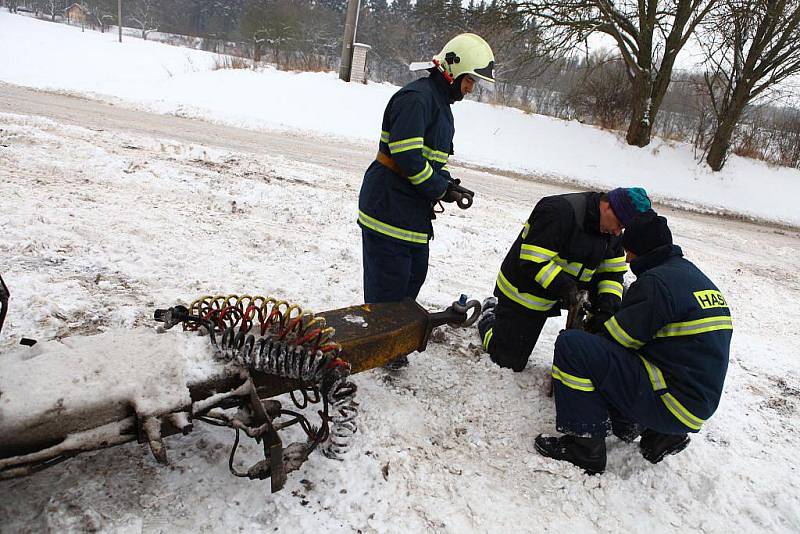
column 422, row 175
column 622, row 337
column 391, row 231
column 405, row 144
column 609, row 286
column 699, row 326
column 586, row 275
column 487, row 338
column 385, row 136
column 535, row 253
column 613, row 265
column 547, row 273
column 572, row 381
column 681, row 413
column 523, row 299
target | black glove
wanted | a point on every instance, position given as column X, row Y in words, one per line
column 603, row 308
column 568, row 294
column 595, row 321
column 451, row 195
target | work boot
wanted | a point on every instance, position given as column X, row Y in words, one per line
column 397, row 363
column 486, row 318
column 625, row 430
column 488, row 304
column 587, row 453
column 654, row 446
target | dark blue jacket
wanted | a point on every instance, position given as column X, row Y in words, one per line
column 679, row 325
column 561, row 245
column 417, row 133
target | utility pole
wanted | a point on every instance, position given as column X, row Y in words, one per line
column 351, row 21
column 119, row 18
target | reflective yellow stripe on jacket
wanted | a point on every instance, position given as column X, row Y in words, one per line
column 673, row 405
column 609, row 286
column 391, row 231
column 531, row 302
column 699, row 326
column 613, row 265
column 622, row 337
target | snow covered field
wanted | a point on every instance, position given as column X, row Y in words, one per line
column 180, row 81
column 100, row 227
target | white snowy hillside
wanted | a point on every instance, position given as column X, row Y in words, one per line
column 110, row 211
column 165, row 79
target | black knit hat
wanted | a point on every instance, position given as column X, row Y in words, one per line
column 645, row 233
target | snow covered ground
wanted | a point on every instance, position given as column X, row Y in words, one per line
column 100, row 227
column 167, row 79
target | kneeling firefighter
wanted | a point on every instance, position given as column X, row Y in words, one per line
column 409, row 175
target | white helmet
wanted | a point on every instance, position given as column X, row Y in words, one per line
column 466, row 53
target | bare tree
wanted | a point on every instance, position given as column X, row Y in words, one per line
column 752, row 45
column 648, row 33
column 145, row 15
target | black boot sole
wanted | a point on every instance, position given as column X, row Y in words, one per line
column 675, row 449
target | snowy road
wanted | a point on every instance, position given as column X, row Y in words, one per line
column 108, row 213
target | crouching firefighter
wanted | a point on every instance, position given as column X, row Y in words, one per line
column 409, row 175
column 570, row 242
column 658, row 367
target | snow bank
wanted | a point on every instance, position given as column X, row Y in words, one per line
column 167, row 79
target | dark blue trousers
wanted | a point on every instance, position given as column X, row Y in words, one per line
column 393, row 271
column 594, row 377
column 510, row 336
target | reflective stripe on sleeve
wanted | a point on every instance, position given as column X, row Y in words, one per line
column 547, row 273
column 525, row 230
column 391, row 231
column 435, row 155
column 535, row 253
column 613, row 265
column 422, row 175
column 570, row 267
column 403, row 145
column 385, row 136
column 527, row 300
column 699, row 326
column 572, row 381
column 622, row 337
column 586, row 275
column 609, row 286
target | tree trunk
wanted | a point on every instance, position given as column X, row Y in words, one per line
column 728, row 119
column 641, row 123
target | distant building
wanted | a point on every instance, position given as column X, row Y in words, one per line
column 77, row 14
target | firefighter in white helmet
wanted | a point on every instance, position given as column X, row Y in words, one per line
column 409, row 175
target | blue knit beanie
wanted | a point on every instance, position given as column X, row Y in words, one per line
column 628, row 202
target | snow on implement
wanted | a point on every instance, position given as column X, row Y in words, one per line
column 61, row 398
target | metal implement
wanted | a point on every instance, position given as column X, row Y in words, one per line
column 269, row 348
